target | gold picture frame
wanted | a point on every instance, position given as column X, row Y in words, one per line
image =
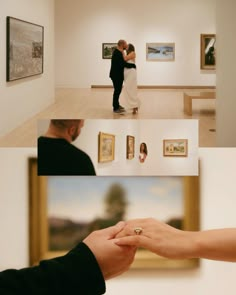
column 175, row 147
column 208, row 57
column 39, row 217
column 130, row 147
column 106, row 147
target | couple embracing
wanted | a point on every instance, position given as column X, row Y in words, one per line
column 123, row 69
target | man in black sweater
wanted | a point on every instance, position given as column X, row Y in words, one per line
column 81, row 271
column 117, row 73
column 56, row 154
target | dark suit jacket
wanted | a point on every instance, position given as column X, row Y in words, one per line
column 118, row 64
column 75, row 273
column 56, row 156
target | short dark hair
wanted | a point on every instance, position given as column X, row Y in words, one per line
column 62, row 124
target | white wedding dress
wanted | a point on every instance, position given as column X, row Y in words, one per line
column 130, row 87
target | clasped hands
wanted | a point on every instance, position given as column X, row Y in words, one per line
column 115, row 247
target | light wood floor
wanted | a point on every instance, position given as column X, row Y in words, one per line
column 96, row 104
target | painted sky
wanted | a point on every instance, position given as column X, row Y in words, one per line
column 81, row 198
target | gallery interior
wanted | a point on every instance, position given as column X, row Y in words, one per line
column 75, row 74
column 75, row 83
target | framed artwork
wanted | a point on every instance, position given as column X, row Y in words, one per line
column 107, row 50
column 208, row 46
column 65, row 209
column 175, row 147
column 106, row 147
column 160, row 51
column 130, row 147
column 24, row 49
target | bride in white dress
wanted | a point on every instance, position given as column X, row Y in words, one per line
column 130, row 81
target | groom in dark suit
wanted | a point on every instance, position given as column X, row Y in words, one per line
column 117, row 74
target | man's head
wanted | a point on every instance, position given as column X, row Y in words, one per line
column 122, row 44
column 67, row 129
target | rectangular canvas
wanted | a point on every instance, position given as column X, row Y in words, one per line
column 24, row 49
column 175, row 147
column 160, row 51
column 106, row 147
column 64, row 210
column 107, row 50
column 130, row 147
column 208, row 48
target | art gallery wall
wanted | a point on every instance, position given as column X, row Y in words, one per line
column 23, row 98
column 80, row 32
column 226, row 73
column 152, row 132
column 217, row 181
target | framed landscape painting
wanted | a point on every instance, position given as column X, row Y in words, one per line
column 208, row 49
column 106, row 147
column 63, row 210
column 175, row 147
column 24, row 49
column 160, row 51
column 107, row 50
column 130, row 147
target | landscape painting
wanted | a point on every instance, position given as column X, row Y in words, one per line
column 175, row 147
column 24, row 49
column 160, row 51
column 64, row 210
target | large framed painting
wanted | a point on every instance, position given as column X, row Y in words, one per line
column 208, row 51
column 175, row 147
column 106, row 147
column 24, row 49
column 107, row 50
column 63, row 210
column 160, row 51
column 130, row 141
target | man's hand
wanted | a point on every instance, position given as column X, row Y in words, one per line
column 112, row 259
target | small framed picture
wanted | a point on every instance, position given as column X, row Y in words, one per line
column 208, row 48
column 175, row 147
column 130, row 147
column 160, row 51
column 106, row 147
column 107, row 50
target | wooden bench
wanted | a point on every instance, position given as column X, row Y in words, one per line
column 188, row 97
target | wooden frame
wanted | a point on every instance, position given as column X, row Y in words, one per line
column 208, row 58
column 24, row 49
column 175, row 147
column 160, row 51
column 39, row 216
column 107, row 50
column 130, row 147
column 106, row 147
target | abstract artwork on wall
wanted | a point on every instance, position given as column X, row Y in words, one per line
column 208, row 51
column 24, row 49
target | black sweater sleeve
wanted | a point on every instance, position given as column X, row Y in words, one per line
column 75, row 273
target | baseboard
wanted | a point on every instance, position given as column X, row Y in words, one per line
column 162, row 86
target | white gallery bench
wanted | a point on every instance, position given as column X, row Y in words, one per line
column 188, row 97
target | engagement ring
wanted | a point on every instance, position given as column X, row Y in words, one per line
column 138, row 230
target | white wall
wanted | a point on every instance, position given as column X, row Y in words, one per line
column 82, row 26
column 152, row 132
column 226, row 73
column 218, row 190
column 14, row 206
column 21, row 99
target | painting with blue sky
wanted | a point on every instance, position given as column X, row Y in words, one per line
column 79, row 205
